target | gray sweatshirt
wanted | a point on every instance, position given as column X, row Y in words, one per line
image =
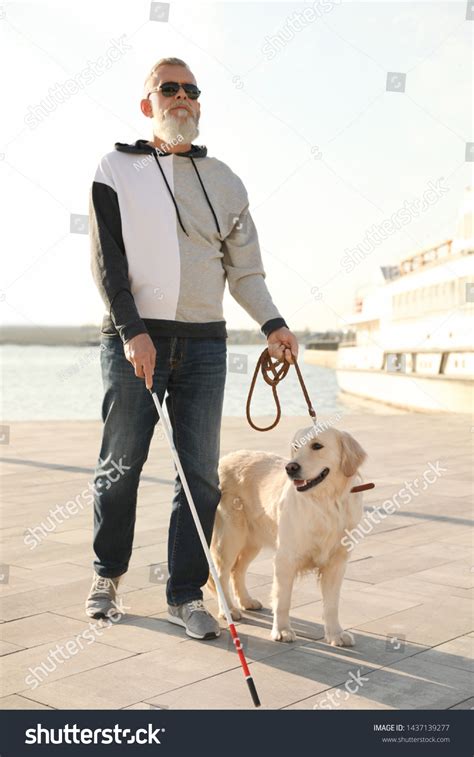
column 167, row 231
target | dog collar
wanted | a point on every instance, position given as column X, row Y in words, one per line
column 362, row 487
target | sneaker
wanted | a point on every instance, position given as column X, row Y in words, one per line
column 195, row 618
column 101, row 602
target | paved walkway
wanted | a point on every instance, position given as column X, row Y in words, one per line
column 407, row 595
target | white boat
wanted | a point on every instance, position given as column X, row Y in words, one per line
column 413, row 345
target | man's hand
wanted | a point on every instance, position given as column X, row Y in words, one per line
column 141, row 353
column 282, row 345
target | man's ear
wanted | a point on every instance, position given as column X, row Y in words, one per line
column 352, row 454
column 146, row 108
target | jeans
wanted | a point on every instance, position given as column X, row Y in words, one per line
column 193, row 372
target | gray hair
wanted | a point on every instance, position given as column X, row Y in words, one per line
column 149, row 81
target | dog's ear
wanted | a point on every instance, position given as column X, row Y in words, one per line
column 352, row 454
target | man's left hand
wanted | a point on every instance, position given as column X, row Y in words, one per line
column 282, row 345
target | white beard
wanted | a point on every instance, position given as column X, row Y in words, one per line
column 175, row 129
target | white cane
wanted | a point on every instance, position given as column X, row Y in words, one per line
column 212, row 568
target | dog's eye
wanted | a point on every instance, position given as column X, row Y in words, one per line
column 317, row 445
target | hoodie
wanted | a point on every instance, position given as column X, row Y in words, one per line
column 167, row 231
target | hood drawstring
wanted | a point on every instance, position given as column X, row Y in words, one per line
column 207, row 198
column 174, row 201
column 171, row 193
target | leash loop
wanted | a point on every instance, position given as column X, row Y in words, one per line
column 272, row 374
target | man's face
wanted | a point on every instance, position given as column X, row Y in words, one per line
column 175, row 118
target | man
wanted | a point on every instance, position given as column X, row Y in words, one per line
column 169, row 225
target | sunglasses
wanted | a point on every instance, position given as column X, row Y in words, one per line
column 171, row 88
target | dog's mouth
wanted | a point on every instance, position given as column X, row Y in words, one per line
column 303, row 484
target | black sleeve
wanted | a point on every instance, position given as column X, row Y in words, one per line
column 109, row 262
column 272, row 325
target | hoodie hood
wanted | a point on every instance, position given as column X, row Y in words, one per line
column 142, row 147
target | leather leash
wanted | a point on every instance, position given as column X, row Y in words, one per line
column 272, row 374
column 266, row 366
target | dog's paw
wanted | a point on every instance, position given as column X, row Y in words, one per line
column 251, row 604
column 234, row 613
column 283, row 634
column 340, row 639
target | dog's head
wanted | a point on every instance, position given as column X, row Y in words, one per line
column 317, row 456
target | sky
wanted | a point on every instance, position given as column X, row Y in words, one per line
column 335, row 120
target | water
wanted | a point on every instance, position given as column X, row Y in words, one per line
column 64, row 383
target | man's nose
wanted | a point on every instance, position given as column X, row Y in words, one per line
column 292, row 468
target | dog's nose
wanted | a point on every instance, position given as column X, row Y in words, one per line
column 292, row 468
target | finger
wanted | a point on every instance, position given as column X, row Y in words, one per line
column 293, row 349
column 148, row 375
column 279, row 356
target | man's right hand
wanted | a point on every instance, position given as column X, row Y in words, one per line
column 141, row 353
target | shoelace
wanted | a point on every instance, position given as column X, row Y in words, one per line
column 102, row 584
column 197, row 605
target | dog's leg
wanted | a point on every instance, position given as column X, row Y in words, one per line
column 224, row 576
column 238, row 572
column 227, row 541
column 283, row 577
column 331, row 581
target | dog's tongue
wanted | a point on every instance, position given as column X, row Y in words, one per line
column 298, row 481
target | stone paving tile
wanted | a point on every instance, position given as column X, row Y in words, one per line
column 457, row 653
column 414, row 586
column 20, row 580
column 73, row 536
column 425, row 532
column 357, row 606
column 40, row 629
column 457, row 574
column 408, row 561
column 40, row 600
column 408, row 684
column 23, row 556
column 6, row 647
column 280, row 679
column 16, row 702
column 142, row 635
column 370, row 547
column 369, row 649
column 467, row 704
column 65, row 573
column 146, row 675
column 19, row 672
column 465, row 538
column 432, row 622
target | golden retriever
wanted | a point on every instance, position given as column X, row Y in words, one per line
column 300, row 508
